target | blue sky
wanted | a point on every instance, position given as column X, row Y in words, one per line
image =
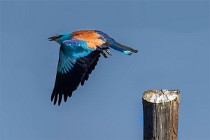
column 173, row 43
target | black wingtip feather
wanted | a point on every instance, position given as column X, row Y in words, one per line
column 65, row 97
column 60, row 99
column 52, row 96
column 55, row 99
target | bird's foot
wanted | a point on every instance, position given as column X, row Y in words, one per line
column 109, row 52
column 105, row 56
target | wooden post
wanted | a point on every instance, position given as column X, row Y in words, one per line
column 161, row 108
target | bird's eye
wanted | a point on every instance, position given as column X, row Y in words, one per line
column 59, row 36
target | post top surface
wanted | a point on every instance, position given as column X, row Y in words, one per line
column 160, row 96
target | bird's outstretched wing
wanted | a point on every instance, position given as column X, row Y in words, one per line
column 76, row 62
column 90, row 68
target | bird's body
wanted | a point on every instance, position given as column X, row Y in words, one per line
column 91, row 37
column 79, row 54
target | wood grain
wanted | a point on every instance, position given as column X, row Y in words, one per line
column 161, row 108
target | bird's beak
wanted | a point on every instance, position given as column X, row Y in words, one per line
column 53, row 38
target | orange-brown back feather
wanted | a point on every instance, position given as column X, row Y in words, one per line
column 91, row 37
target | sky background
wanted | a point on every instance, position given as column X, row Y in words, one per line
column 173, row 43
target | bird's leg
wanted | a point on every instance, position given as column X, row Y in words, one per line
column 105, row 56
column 101, row 51
column 109, row 52
column 106, row 48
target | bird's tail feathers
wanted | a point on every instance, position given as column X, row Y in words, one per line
column 122, row 48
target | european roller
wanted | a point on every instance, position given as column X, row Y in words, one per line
column 79, row 54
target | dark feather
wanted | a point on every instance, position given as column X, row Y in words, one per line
column 66, row 83
column 90, row 69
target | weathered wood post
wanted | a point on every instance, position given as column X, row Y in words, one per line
column 161, row 108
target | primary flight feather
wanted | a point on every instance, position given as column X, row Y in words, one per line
column 79, row 54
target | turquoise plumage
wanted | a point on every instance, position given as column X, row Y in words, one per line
column 79, row 54
column 70, row 51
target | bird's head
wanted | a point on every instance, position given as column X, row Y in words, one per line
column 59, row 38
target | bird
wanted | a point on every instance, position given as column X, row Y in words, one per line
column 78, row 57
